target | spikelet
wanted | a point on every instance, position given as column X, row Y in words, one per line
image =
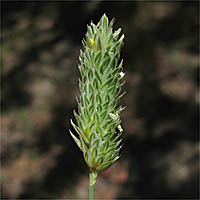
column 98, row 118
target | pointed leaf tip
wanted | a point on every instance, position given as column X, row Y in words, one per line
column 121, row 38
column 76, row 139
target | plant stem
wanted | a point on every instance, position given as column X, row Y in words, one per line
column 91, row 190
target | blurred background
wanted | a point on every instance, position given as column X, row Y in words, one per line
column 40, row 48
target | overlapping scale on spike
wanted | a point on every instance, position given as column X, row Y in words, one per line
column 98, row 124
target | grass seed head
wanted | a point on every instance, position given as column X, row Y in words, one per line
column 98, row 124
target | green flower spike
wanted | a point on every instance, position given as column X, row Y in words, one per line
column 98, row 118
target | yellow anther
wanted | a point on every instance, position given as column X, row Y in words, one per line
column 91, row 43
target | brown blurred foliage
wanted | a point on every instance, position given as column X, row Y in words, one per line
column 40, row 49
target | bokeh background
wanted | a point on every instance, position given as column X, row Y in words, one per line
column 40, row 49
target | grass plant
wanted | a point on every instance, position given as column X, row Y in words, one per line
column 98, row 124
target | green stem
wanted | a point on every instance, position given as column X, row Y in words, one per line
column 93, row 177
column 91, row 192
